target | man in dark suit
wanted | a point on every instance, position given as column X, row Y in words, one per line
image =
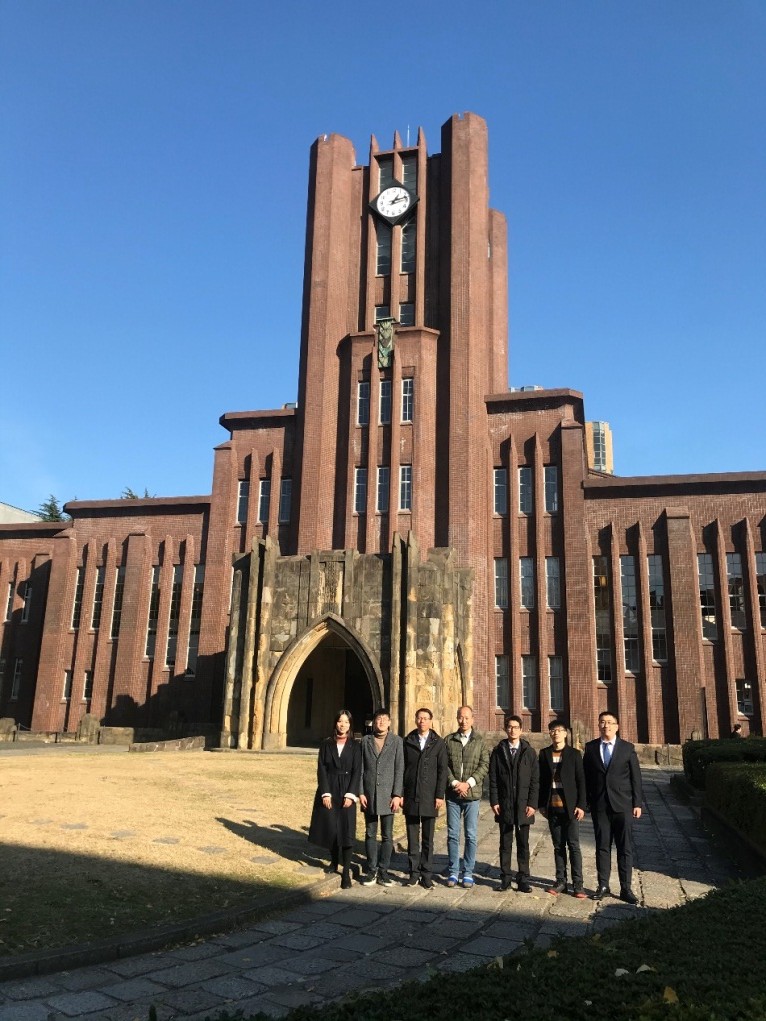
column 514, row 778
column 425, row 782
column 562, row 801
column 613, row 784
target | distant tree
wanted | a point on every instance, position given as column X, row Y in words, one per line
column 129, row 494
column 50, row 510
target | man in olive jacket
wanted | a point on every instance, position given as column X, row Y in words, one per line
column 381, row 795
column 425, row 777
column 514, row 779
column 468, row 764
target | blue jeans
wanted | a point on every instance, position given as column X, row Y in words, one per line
column 468, row 811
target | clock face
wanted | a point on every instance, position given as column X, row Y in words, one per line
column 393, row 202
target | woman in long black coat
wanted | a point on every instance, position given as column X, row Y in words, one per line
column 339, row 772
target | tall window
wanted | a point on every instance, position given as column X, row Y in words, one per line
column 363, row 403
column 526, row 497
column 527, row 582
column 409, row 234
column 154, row 613
column 384, row 479
column 18, row 667
column 385, row 401
column 382, row 312
column 405, row 487
column 360, row 490
column 707, row 595
column 383, row 249
column 502, row 682
column 285, row 500
column 175, row 615
column 501, row 491
column 556, row 682
column 242, row 502
column 87, row 686
column 98, row 598
column 553, row 583
column 736, row 590
column 264, row 501
column 119, row 589
column 551, row 488
column 406, row 314
column 744, row 697
column 408, row 398
column 410, row 171
column 599, row 447
column 657, row 609
column 27, row 590
column 9, row 602
column 760, row 581
column 385, row 172
column 501, row 583
column 603, row 619
column 196, row 618
column 529, row 681
column 66, row 694
column 77, row 607
column 629, row 614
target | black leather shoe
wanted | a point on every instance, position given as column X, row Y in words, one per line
column 558, row 887
column 628, row 896
column 345, row 882
column 426, row 882
column 505, row 884
column 601, row 892
column 523, row 886
column 413, row 880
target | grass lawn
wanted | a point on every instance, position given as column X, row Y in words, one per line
column 100, row 842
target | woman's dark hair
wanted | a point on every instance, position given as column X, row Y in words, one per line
column 343, row 712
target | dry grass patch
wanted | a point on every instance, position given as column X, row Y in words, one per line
column 102, row 842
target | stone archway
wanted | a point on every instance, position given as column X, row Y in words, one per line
column 326, row 650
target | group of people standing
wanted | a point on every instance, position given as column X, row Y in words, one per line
column 423, row 772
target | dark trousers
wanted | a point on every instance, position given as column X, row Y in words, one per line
column 507, row 833
column 613, row 828
column 377, row 858
column 420, row 843
column 565, row 834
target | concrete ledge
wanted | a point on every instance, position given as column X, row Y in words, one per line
column 180, row 744
column 143, row 941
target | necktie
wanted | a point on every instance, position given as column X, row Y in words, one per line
column 607, row 754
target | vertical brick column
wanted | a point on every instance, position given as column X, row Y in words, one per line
column 540, row 616
column 129, row 690
column 755, row 660
column 103, row 640
column 683, row 588
column 187, row 558
column 726, row 689
column 56, row 640
column 651, row 711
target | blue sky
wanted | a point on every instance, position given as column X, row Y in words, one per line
column 153, row 174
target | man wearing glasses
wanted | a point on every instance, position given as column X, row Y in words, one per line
column 514, row 779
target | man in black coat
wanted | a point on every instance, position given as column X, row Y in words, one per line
column 425, row 781
column 563, row 801
column 613, row 785
column 514, row 779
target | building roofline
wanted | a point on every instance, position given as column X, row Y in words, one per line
column 29, row 529
column 232, row 420
column 527, row 396
column 154, row 504
column 652, row 485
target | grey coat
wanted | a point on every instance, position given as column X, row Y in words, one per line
column 382, row 775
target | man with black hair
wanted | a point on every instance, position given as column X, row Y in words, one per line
column 425, row 780
column 514, row 780
column 562, row 801
column 381, row 795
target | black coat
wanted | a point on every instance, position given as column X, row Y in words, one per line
column 425, row 774
column 619, row 786
column 337, row 775
column 572, row 777
column 514, row 790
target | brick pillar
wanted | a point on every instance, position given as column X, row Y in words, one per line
column 129, row 690
column 55, row 647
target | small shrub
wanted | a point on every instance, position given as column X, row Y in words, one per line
column 698, row 755
column 738, row 793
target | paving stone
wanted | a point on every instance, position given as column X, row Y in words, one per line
column 262, row 859
column 74, row 826
column 24, row 1012
column 490, row 946
column 136, row 1011
column 277, row 926
column 272, row 975
column 325, row 930
column 84, row 978
column 294, row 997
column 130, row 966
column 41, row 822
column 357, row 917
column 258, row 954
column 361, row 942
column 461, row 962
column 189, row 973
column 195, row 952
column 339, row 954
column 29, row 988
column 133, row 988
column 405, row 957
column 188, row 1000
column 241, row 938
column 233, row 987
column 260, row 1004
column 424, row 940
column 212, row 849
column 77, row 1004
column 166, row 840
column 298, row 941
column 124, row 834
column 306, row 966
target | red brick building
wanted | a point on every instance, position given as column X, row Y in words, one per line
column 411, row 532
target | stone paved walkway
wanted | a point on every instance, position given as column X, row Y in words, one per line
column 373, row 936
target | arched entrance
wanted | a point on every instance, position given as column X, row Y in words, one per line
column 329, row 667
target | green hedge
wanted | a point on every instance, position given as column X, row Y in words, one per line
column 737, row 791
column 698, row 755
column 704, row 961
